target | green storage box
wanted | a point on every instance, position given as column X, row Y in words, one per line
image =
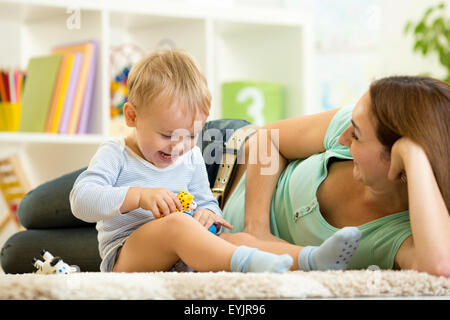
column 257, row 102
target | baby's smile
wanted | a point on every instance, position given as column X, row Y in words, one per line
column 167, row 157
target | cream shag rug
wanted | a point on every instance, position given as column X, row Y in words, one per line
column 225, row 285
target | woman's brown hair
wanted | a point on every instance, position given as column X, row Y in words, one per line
column 418, row 108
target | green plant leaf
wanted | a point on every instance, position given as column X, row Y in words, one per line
column 407, row 27
column 432, row 35
column 438, row 25
column 427, row 13
column 420, row 28
column 419, row 45
column 446, row 33
column 444, row 59
column 433, row 43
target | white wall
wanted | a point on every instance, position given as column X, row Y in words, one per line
column 395, row 54
column 358, row 41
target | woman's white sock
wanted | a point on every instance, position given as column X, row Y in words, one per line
column 333, row 254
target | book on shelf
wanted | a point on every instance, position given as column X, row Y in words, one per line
column 88, row 96
column 11, row 81
column 57, row 95
column 38, row 91
column 83, row 93
column 60, row 124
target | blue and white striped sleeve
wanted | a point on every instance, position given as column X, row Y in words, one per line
column 199, row 186
column 93, row 196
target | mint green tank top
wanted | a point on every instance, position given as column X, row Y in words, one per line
column 295, row 213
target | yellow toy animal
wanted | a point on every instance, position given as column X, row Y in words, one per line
column 188, row 203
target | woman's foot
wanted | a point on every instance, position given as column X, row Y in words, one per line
column 333, row 254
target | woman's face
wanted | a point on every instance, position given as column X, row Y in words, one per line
column 371, row 162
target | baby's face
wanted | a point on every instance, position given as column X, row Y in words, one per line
column 165, row 132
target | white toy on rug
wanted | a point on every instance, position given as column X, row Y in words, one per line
column 52, row 265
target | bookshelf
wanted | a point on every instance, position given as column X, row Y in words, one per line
column 240, row 43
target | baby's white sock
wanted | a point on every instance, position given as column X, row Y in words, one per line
column 246, row 259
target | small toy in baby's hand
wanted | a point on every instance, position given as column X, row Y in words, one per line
column 188, row 203
column 52, row 265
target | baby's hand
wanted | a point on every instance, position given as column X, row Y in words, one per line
column 160, row 201
column 207, row 218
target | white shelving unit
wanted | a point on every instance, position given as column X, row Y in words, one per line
column 228, row 43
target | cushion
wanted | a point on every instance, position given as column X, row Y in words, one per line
column 76, row 246
column 48, row 206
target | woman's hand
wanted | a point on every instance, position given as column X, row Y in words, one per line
column 207, row 218
column 402, row 148
column 160, row 201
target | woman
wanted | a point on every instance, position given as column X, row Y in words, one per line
column 382, row 166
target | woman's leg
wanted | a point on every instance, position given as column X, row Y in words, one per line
column 157, row 246
column 275, row 247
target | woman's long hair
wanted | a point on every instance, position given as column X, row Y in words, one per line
column 417, row 108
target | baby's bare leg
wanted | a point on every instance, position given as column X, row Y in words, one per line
column 157, row 246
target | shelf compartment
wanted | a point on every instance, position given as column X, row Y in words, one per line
column 24, row 138
column 244, row 54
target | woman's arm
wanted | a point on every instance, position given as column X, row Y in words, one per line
column 429, row 248
column 268, row 153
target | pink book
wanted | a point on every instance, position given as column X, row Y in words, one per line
column 86, row 48
column 90, row 83
column 71, row 92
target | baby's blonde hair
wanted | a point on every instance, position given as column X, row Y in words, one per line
column 171, row 75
